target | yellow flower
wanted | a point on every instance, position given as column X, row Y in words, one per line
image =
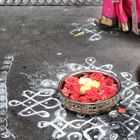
column 95, row 84
column 88, row 83
column 84, row 88
column 85, row 81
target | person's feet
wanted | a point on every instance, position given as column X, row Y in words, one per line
column 97, row 21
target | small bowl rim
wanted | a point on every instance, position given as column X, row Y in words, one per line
column 60, row 84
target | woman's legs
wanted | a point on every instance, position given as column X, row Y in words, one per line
column 116, row 13
column 123, row 10
column 109, row 16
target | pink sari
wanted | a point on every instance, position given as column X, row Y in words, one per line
column 125, row 13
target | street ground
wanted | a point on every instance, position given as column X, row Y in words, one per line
column 40, row 45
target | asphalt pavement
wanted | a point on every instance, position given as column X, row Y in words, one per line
column 38, row 46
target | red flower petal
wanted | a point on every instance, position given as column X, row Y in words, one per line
column 107, row 89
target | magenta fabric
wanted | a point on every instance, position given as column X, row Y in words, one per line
column 121, row 11
column 138, row 10
column 108, row 9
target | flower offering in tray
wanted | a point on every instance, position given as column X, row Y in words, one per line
column 89, row 92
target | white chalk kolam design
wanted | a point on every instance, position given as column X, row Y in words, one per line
column 43, row 101
column 5, row 69
column 91, row 30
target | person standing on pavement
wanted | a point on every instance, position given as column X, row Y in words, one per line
column 124, row 14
